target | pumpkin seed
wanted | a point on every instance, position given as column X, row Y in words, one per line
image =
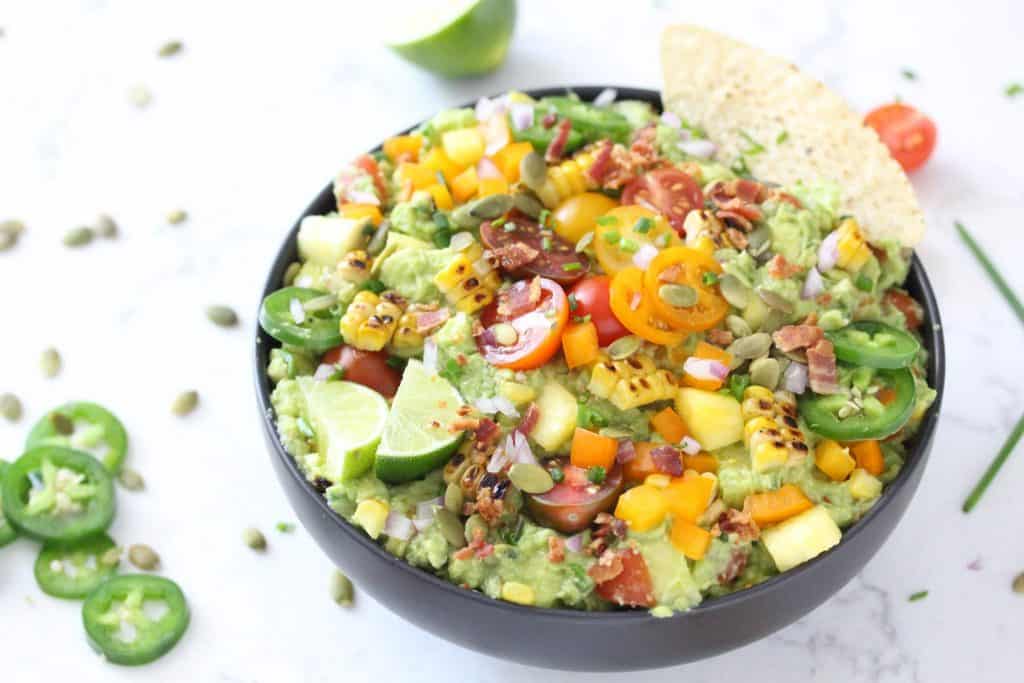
column 624, row 347
column 290, row 273
column 450, row 526
column 319, row 303
column 62, row 424
column 254, row 538
column 342, row 590
column 491, row 206
column 527, row 204
column 10, row 407
column 678, row 296
column 170, row 48
column 7, row 241
column 775, row 300
column 1018, row 583
column 140, row 96
column 738, row 326
column 379, row 239
column 765, row 372
column 752, row 346
column 454, row 498
column 475, row 524
column 461, row 241
column 734, row 291
column 224, row 316
column 184, row 403
column 12, row 227
column 78, row 237
column 584, row 242
column 759, row 241
column 533, row 171
column 50, row 362
column 112, row 557
column 105, row 226
column 131, row 480
column 530, row 478
column 773, row 321
column 462, row 218
column 143, row 557
column 177, row 217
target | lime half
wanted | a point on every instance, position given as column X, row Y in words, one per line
column 417, row 438
column 455, row 37
column 348, row 419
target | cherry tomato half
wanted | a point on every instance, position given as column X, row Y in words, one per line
column 632, row 586
column 669, row 190
column 909, row 134
column 591, row 296
column 633, row 307
column 537, row 330
column 574, row 503
column 624, row 231
column 685, row 266
column 369, row 368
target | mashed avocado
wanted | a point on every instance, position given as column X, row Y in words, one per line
column 460, row 362
column 415, row 217
column 674, row 586
column 288, row 362
column 409, row 266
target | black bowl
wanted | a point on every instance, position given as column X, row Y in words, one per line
column 602, row 641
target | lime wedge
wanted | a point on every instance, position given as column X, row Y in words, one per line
column 455, row 37
column 348, row 419
column 416, row 435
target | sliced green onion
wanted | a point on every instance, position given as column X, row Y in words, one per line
column 993, row 469
column 993, row 274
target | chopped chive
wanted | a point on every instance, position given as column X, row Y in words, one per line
column 993, row 274
column 375, row 286
column 285, row 527
column 545, row 243
column 607, row 220
column 919, row 595
column 740, row 167
column 993, row 469
column 1014, row 89
column 396, row 362
column 909, row 75
column 581, row 318
column 542, row 217
column 709, row 279
column 755, row 146
column 629, row 246
column 569, row 267
column 864, row 283
column 573, row 304
column 782, row 137
column 596, row 474
column 643, row 225
column 611, row 237
column 441, row 220
column 498, row 222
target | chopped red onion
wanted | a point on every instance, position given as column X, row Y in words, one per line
column 499, row 460
column 667, row 460
column 605, row 97
column 626, row 451
column 486, row 107
column 575, row 543
column 360, row 197
column 297, row 311
column 518, row 449
column 521, row 114
column 690, row 445
column 828, row 252
column 323, row 371
column 430, row 354
column 813, row 285
column 644, row 255
column 670, row 119
column 485, row 168
column 399, row 526
column 702, row 149
column 705, row 368
column 498, row 404
column 795, row 378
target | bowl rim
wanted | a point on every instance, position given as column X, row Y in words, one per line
column 913, row 461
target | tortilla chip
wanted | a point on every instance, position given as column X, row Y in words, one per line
column 728, row 87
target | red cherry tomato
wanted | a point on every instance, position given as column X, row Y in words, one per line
column 668, row 190
column 369, row 164
column 591, row 297
column 369, row 368
column 538, row 327
column 632, row 586
column 573, row 503
column 909, row 134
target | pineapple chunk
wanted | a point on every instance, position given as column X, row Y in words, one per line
column 714, row 419
column 371, row 514
column 464, row 146
column 518, row 394
column 801, row 538
column 324, row 240
column 557, row 420
column 864, row 485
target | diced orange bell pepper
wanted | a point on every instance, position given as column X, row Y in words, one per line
column 642, row 507
column 489, row 186
column 702, row 462
column 711, row 352
column 403, row 147
column 509, row 158
column 361, row 211
column 869, row 456
column 592, row 450
column 465, row 185
column 442, row 199
column 668, row 423
column 642, row 464
column 689, row 539
column 689, row 497
column 439, row 162
column 834, row 460
column 418, row 174
column 580, row 345
column 772, row 507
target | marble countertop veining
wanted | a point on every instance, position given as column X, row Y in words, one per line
column 251, row 120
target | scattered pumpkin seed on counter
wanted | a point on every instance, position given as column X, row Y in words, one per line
column 177, row 217
column 140, row 96
column 170, row 48
column 10, row 407
column 10, row 231
column 131, row 480
column 222, row 316
column 50, row 363
column 78, row 237
column 342, row 591
column 143, row 557
column 285, row 527
column 1018, row 584
column 254, row 538
column 105, row 227
column 185, row 403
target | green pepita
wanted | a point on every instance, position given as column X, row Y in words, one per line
column 530, row 478
column 224, row 316
column 10, row 407
column 50, row 362
column 773, row 321
column 765, row 372
column 751, row 346
column 342, row 590
column 491, row 206
column 475, row 526
column 177, row 217
column 1018, row 584
column 775, row 300
column 254, row 539
column 624, row 347
column 734, row 291
column 143, row 557
column 170, row 48
column 62, row 424
column 131, row 480
column 738, row 326
column 527, row 204
column 7, row 241
column 112, row 557
column 462, row 218
column 78, row 237
column 319, row 303
column 450, row 526
column 678, row 296
column 533, row 171
column 140, row 96
column 105, row 227
column 454, row 498
column 12, row 227
column 185, row 402
column 290, row 273
column 759, row 241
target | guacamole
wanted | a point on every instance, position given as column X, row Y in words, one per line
column 631, row 377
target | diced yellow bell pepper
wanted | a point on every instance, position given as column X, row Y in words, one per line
column 464, row 146
column 509, row 158
column 439, row 162
column 357, row 211
column 489, row 186
column 403, row 147
column 834, row 460
column 419, row 175
column 465, row 185
column 642, row 507
column 442, row 199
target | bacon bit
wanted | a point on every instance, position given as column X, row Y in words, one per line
column 905, row 304
column 609, row 525
column 607, row 567
column 670, row 274
column 529, row 421
column 737, row 238
column 811, row 319
column 487, row 430
column 463, row 411
column 821, row 368
column 642, row 147
column 522, row 297
column 735, row 219
column 780, row 269
column 748, row 211
column 825, row 299
column 549, row 119
column 514, row 255
column 626, row 451
column 556, row 549
column 488, row 507
column 739, row 523
column 667, row 460
column 463, row 553
column 737, row 563
column 461, row 359
column 461, row 424
column 747, row 191
column 427, row 321
column 557, row 146
column 634, row 301
column 485, row 551
column 602, row 162
column 720, row 337
column 792, row 337
column 785, row 198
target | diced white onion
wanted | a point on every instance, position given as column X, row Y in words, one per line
column 430, row 354
column 497, row 404
column 702, row 149
column 705, row 368
column 358, row 197
column 422, row 523
column 828, row 252
column 498, row 461
column 605, row 97
column 461, row 241
column 425, row 509
column 482, row 266
column 670, row 119
column 399, row 526
column 297, row 311
column 521, row 114
column 795, row 378
column 689, row 445
column 484, row 108
column 644, row 255
column 813, row 285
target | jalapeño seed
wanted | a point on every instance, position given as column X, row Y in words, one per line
column 342, row 590
column 143, row 557
column 505, row 334
column 450, row 526
column 105, row 227
column 131, row 480
column 10, row 407
column 185, row 402
column 61, row 423
column 50, row 362
column 624, row 347
column 533, row 171
column 734, row 291
column 177, row 217
column 170, row 48
column 254, row 538
column 290, row 273
column 678, row 296
column 530, row 478
column 223, row 316
column 78, row 237
column 454, row 498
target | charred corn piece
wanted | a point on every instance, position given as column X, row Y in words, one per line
column 567, row 179
column 755, row 425
column 767, row 450
column 853, row 249
column 370, row 320
column 355, row 267
column 632, row 382
column 771, row 429
column 406, row 341
column 470, row 280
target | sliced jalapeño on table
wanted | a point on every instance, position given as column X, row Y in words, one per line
column 83, row 426
column 73, row 570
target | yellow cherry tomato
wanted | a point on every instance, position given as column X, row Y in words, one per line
column 686, row 266
column 632, row 306
column 575, row 217
column 622, row 232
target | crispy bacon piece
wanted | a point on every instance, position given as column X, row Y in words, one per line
column 557, row 147
column 737, row 238
column 529, row 420
column 626, row 451
column 906, row 305
column 514, row 255
column 719, row 337
column 609, row 525
column 734, row 567
column 780, row 268
column 522, row 297
column 667, row 460
column 556, row 549
column 785, row 198
column 428, row 320
column 602, row 162
column 747, row 191
column 642, row 146
column 792, row 337
column 737, row 205
column 821, row 367
column 734, row 219
column 607, row 567
column 487, row 430
column 739, row 523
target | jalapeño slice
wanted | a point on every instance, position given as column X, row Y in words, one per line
column 883, row 413
column 7, row 532
column 317, row 331
column 94, row 430
column 874, row 345
column 56, row 494
column 135, row 618
column 73, row 570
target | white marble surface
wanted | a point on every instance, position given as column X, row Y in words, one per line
column 248, row 124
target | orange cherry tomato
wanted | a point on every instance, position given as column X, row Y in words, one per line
column 909, row 134
column 632, row 306
column 575, row 217
column 683, row 265
column 538, row 327
column 623, row 231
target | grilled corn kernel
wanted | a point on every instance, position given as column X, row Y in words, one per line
column 853, row 250
column 767, row 450
column 406, row 341
column 355, row 267
column 567, row 179
column 470, row 280
column 370, row 320
column 756, row 424
column 754, row 407
column 516, row 592
column 758, row 392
